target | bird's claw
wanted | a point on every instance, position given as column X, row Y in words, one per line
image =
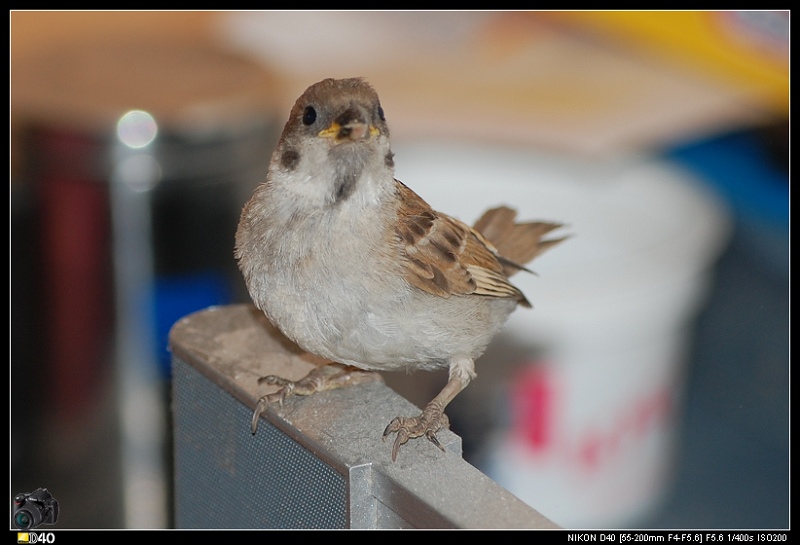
column 287, row 388
column 262, row 404
column 428, row 423
column 325, row 377
column 432, row 438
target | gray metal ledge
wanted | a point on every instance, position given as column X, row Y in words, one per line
column 319, row 462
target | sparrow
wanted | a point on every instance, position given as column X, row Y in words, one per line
column 356, row 268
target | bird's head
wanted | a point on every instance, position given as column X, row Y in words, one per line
column 337, row 130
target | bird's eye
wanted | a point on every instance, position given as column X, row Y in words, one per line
column 381, row 114
column 309, row 115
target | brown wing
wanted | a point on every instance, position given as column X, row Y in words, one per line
column 447, row 257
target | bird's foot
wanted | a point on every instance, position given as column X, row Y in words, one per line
column 319, row 379
column 428, row 423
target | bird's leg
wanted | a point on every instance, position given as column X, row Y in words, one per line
column 323, row 377
column 432, row 419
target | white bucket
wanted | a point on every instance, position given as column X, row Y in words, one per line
column 595, row 399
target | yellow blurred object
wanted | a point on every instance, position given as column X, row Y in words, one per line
column 749, row 49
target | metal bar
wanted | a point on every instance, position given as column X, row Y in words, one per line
column 303, row 452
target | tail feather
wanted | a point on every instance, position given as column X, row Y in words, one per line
column 516, row 243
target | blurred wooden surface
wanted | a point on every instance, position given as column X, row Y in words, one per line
column 31, row 30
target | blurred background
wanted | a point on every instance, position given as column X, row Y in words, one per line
column 648, row 387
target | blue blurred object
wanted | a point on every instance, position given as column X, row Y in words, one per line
column 180, row 295
column 750, row 170
column 747, row 168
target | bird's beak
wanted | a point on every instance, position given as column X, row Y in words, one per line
column 350, row 125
